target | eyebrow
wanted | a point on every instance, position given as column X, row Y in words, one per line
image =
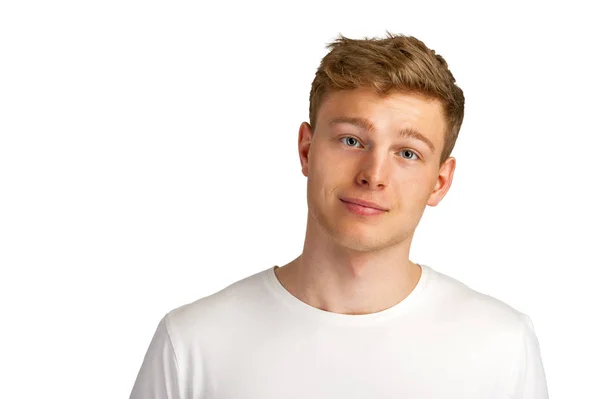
column 406, row 132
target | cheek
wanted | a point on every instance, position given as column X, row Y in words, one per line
column 322, row 179
column 413, row 188
column 330, row 169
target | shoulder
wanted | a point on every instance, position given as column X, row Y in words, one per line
column 480, row 323
column 217, row 312
column 457, row 301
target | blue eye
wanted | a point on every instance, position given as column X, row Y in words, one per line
column 351, row 138
column 411, row 154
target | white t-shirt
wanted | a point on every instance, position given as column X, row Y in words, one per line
column 255, row 340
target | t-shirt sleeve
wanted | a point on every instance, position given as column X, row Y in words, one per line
column 532, row 380
column 157, row 377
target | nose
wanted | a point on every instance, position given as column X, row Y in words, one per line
column 373, row 172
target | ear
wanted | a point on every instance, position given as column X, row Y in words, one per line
column 305, row 136
column 443, row 182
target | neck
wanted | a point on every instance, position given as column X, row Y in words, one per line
column 330, row 277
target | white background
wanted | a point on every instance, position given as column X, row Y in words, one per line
column 148, row 157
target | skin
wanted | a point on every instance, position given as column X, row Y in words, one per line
column 354, row 264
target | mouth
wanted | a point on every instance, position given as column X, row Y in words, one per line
column 362, row 210
column 364, row 204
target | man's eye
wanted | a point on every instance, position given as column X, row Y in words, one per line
column 350, row 138
column 409, row 152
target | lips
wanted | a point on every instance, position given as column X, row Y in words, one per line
column 364, row 203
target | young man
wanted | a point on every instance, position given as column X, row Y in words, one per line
column 352, row 316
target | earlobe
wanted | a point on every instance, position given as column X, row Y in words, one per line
column 443, row 182
column 305, row 135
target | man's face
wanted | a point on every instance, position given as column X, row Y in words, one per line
column 359, row 151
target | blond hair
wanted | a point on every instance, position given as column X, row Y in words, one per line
column 396, row 62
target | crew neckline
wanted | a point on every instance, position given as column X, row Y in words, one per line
column 325, row 316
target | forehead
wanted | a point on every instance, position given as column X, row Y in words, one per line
column 393, row 110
